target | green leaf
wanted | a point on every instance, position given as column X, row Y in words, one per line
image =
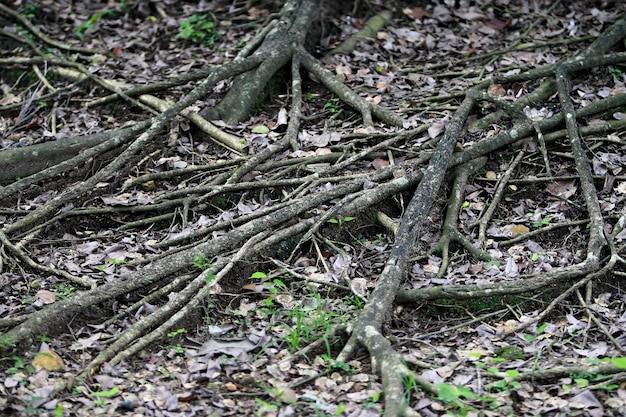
column 259, row 275
column 447, row 393
column 465, row 392
column 332, row 221
column 512, row 373
column 541, row 329
column 492, row 264
column 581, row 382
column 279, row 283
column 619, row 362
column 107, row 394
column 260, row 129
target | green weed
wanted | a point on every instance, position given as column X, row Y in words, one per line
column 340, row 220
column 178, row 347
column 543, row 222
column 90, row 24
column 28, row 11
column 201, row 262
column 198, row 29
column 332, row 105
column 6, row 342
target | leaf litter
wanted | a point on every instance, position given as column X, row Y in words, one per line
column 245, row 349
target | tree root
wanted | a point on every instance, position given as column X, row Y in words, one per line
column 309, row 199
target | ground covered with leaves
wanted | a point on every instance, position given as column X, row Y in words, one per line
column 511, row 303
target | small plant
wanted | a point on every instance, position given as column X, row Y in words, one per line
column 100, row 396
column 63, row 293
column 28, row 11
column 454, row 395
column 90, row 24
column 44, row 338
column 178, row 347
column 617, row 73
column 201, row 262
column 176, row 332
column 115, row 262
column 199, row 30
column 354, row 300
column 163, row 371
column 331, row 105
column 543, row 222
column 411, row 386
column 371, row 401
column 265, row 408
column 308, row 324
column 6, row 342
column 334, row 365
column 340, row 221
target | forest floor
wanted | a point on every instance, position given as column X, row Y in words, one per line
column 264, row 341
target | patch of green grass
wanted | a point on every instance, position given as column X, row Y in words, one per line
column 308, row 324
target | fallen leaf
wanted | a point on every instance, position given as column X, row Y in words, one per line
column 48, row 360
column 436, row 129
column 416, row 12
column 519, row 229
column 48, row 297
column 379, row 163
column 499, row 24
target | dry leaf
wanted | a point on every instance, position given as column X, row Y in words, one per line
column 359, row 286
column 563, row 189
column 48, row 297
column 436, row 129
column 496, row 90
column 379, row 163
column 48, row 360
column 519, row 229
column 499, row 24
column 416, row 12
column 285, row 300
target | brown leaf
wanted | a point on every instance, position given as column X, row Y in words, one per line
column 379, row 163
column 48, row 297
column 563, row 189
column 496, row 90
column 499, row 24
column 48, row 360
column 416, row 13
column 519, row 229
column 436, row 129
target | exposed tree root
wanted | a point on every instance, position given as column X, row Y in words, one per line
column 450, row 232
column 319, row 189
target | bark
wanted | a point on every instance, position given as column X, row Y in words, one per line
column 247, row 88
column 18, row 163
